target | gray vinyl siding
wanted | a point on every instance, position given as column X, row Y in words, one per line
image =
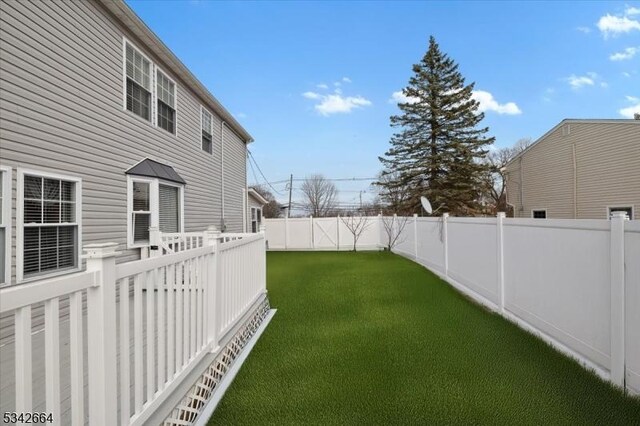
column 61, row 111
column 235, row 183
column 607, row 172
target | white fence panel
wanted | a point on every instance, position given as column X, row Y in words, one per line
column 557, row 279
column 473, row 260
column 632, row 308
column 276, row 233
column 430, row 243
column 325, row 233
column 406, row 242
column 300, row 234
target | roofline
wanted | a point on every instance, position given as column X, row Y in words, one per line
column 257, row 195
column 574, row 120
column 122, row 12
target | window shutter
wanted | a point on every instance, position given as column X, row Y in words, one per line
column 169, row 209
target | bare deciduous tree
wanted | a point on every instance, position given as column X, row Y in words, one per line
column 392, row 191
column 356, row 224
column 495, row 180
column 320, row 195
column 393, row 227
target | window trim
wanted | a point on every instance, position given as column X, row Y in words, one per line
column 154, row 98
column 152, row 112
column 202, row 111
column 7, row 198
column 153, row 69
column 154, row 205
column 20, row 224
column 258, row 222
column 621, row 206
column 538, row 210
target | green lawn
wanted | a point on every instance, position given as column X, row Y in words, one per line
column 372, row 338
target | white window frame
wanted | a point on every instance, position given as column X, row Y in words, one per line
column 153, row 69
column 20, row 223
column 154, row 98
column 258, row 222
column 202, row 110
column 539, row 210
column 152, row 78
column 621, row 206
column 6, row 221
column 154, row 205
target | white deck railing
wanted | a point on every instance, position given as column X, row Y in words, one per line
column 148, row 324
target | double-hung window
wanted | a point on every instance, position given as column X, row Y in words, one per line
column 153, row 203
column 149, row 93
column 256, row 219
column 206, row 123
column 166, row 102
column 49, row 217
column 5, row 225
column 138, row 83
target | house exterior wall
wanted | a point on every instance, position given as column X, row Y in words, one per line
column 606, row 154
column 61, row 110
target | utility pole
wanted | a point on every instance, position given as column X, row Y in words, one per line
column 360, row 200
column 290, row 189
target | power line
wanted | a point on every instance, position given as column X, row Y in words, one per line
column 260, row 170
column 330, row 179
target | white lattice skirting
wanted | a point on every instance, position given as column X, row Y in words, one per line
column 195, row 400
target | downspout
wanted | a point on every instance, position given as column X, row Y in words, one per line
column 245, row 195
column 575, row 183
column 222, row 125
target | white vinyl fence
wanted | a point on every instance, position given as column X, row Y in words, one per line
column 147, row 325
column 326, row 233
column 575, row 283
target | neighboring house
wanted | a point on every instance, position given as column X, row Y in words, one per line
column 103, row 134
column 580, row 169
column 256, row 202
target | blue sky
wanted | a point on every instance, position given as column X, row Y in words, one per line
column 313, row 82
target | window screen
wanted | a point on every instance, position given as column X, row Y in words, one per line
column 207, row 138
column 138, row 83
column 169, row 209
column 141, row 212
column 166, row 103
column 50, row 227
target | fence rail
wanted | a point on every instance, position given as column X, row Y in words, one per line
column 135, row 330
column 575, row 283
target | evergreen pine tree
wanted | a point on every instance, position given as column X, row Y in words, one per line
column 438, row 150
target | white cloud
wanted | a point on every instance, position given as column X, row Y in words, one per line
column 312, row 95
column 629, row 111
column 346, row 79
column 322, row 86
column 488, row 103
column 616, row 25
column 400, row 98
column 585, row 30
column 337, row 84
column 577, row 82
column 337, row 104
column 626, row 74
column 627, row 53
column 630, row 11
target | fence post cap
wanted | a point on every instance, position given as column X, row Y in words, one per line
column 263, row 228
column 502, row 214
column 445, row 215
column 415, row 215
column 212, row 229
column 100, row 250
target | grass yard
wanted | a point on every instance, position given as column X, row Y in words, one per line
column 372, row 338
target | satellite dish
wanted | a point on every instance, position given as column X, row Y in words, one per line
column 426, row 205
